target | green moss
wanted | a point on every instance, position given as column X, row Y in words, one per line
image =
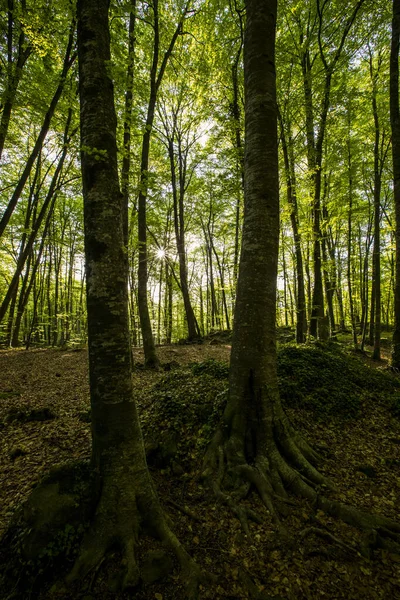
column 212, row 367
column 186, row 408
column 47, row 530
column 323, row 378
column 331, row 382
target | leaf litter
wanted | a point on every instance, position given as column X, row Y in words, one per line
column 362, row 456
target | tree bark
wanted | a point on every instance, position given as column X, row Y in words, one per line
column 291, row 191
column 395, row 125
column 127, row 499
column 256, row 442
column 178, row 157
column 14, row 72
column 156, row 77
column 376, row 255
column 350, row 239
column 126, row 159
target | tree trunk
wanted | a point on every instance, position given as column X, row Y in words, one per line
column 14, row 71
column 350, row 240
column 68, row 62
column 127, row 499
column 48, row 204
column 395, row 125
column 318, row 325
column 253, row 415
column 126, row 158
column 178, row 194
column 156, row 77
column 376, row 256
column 255, row 442
column 291, row 191
column 238, row 145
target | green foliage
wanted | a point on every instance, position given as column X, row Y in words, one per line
column 186, row 408
column 322, row 378
column 330, row 382
column 211, row 367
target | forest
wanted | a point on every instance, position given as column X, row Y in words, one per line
column 199, row 299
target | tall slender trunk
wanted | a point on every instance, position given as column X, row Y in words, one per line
column 395, row 126
column 179, row 186
column 168, row 304
column 156, row 77
column 285, row 302
column 160, row 284
column 14, row 69
column 208, row 233
column 350, row 237
column 291, row 191
column 126, row 158
column 329, row 286
column 68, row 62
column 315, row 147
column 376, row 256
column 47, row 207
column 222, row 284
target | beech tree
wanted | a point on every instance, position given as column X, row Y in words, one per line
column 179, row 139
column 256, row 444
column 127, row 501
column 395, row 125
column 156, row 77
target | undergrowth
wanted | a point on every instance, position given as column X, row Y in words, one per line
column 186, row 406
column 321, row 378
column 330, row 382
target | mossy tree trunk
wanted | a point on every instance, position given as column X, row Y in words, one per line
column 127, row 500
column 256, row 445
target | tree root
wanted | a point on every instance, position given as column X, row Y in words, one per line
column 323, row 533
column 285, row 464
column 117, row 524
column 184, row 510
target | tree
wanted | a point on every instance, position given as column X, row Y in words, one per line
column 127, row 500
column 156, row 77
column 395, row 125
column 290, row 176
column 258, row 444
column 179, row 139
column 15, row 63
column 67, row 64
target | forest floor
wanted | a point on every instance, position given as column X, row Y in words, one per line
column 348, row 411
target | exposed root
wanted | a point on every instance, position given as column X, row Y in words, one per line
column 286, row 465
column 326, row 535
column 192, row 575
column 184, row 510
column 116, row 524
column 375, row 539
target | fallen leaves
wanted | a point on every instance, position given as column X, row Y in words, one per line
column 312, row 569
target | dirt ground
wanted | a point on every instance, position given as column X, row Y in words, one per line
column 261, row 565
